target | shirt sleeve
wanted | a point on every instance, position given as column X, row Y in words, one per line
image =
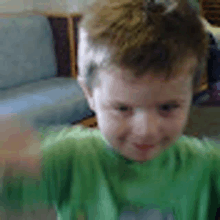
column 27, row 194
column 215, row 174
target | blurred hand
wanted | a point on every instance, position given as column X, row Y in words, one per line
column 19, row 146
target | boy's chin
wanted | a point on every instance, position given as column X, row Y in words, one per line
column 142, row 157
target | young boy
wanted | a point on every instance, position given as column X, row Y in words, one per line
column 139, row 63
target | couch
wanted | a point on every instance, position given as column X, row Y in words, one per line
column 30, row 84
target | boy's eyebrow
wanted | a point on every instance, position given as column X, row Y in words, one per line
column 172, row 101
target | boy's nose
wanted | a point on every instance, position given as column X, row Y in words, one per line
column 146, row 127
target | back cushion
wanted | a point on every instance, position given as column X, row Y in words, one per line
column 27, row 51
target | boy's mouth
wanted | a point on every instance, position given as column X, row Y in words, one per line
column 144, row 147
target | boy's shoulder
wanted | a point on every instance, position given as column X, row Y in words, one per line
column 205, row 148
column 78, row 138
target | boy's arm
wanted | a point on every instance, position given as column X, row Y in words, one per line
column 20, row 172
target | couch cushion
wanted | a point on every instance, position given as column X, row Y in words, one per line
column 27, row 51
column 49, row 102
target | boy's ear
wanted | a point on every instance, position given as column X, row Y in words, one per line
column 88, row 94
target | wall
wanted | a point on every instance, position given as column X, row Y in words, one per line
column 76, row 5
column 50, row 5
column 61, row 5
column 8, row 6
column 15, row 5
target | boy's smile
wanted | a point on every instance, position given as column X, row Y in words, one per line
column 148, row 111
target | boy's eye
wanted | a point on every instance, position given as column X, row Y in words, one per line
column 168, row 108
column 123, row 108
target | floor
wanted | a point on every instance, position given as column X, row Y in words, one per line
column 204, row 121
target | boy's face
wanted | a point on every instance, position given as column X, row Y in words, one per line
column 148, row 111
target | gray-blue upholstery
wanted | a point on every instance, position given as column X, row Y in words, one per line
column 29, row 84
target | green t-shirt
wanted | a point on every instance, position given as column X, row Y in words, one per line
column 81, row 175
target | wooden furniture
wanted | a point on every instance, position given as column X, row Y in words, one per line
column 68, row 23
column 211, row 11
column 90, row 122
column 64, row 27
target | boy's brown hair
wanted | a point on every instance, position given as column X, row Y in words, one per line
column 141, row 35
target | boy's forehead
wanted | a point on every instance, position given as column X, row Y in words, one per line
column 116, row 89
column 181, row 71
column 119, row 83
column 125, row 78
